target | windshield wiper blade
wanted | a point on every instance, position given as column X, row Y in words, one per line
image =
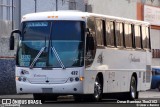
column 58, row 58
column 36, row 58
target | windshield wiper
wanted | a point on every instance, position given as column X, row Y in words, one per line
column 36, row 58
column 58, row 58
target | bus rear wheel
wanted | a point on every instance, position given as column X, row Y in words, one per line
column 133, row 94
column 98, row 87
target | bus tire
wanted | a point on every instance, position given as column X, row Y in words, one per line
column 78, row 98
column 39, row 97
column 158, row 86
column 98, row 89
column 133, row 94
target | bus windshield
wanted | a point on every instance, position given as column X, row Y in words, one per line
column 51, row 44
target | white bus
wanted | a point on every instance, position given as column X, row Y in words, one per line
column 82, row 54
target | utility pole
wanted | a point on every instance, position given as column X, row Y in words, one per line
column 35, row 6
column 86, row 5
column 12, row 15
column 56, row 5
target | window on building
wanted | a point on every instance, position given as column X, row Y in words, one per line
column 128, row 35
column 99, row 32
column 110, row 33
column 6, row 9
column 137, row 36
column 119, row 34
column 72, row 5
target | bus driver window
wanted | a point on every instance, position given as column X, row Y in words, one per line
column 90, row 48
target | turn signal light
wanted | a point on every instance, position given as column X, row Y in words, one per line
column 81, row 78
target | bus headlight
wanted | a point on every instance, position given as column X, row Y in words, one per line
column 71, row 79
column 24, row 79
column 76, row 79
column 19, row 79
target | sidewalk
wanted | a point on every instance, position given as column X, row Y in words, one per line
column 152, row 93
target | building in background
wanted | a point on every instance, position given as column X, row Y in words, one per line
column 11, row 12
column 6, row 22
column 9, row 19
column 147, row 10
column 32, row 6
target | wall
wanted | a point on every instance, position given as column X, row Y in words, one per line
column 155, row 33
column 120, row 8
column 49, row 5
column 155, row 44
column 7, row 62
column 41, row 6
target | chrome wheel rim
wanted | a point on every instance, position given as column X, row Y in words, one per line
column 97, row 89
column 133, row 88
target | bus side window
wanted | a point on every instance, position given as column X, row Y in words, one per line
column 99, row 32
column 128, row 35
column 110, row 33
column 147, row 37
column 137, row 37
column 119, row 34
column 144, row 37
column 104, row 32
column 133, row 36
column 90, row 42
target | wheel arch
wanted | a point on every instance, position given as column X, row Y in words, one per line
column 135, row 75
column 100, row 76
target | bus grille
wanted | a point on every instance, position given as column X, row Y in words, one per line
column 47, row 81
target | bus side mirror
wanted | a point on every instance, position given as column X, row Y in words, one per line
column 90, row 42
column 11, row 41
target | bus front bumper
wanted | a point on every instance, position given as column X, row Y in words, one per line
column 66, row 88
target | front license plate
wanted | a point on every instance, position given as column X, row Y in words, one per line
column 47, row 90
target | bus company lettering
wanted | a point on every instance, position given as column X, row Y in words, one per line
column 38, row 75
column 133, row 58
column 100, row 59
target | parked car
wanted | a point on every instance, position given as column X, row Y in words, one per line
column 155, row 78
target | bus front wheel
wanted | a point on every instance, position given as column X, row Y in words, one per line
column 98, row 87
column 39, row 97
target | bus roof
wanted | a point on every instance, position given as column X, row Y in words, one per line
column 74, row 15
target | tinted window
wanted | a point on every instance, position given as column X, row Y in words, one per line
column 144, row 37
column 128, row 35
column 110, row 33
column 67, row 30
column 90, row 42
column 119, row 34
column 64, row 44
column 36, row 30
column 99, row 32
column 147, row 37
column 137, row 36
